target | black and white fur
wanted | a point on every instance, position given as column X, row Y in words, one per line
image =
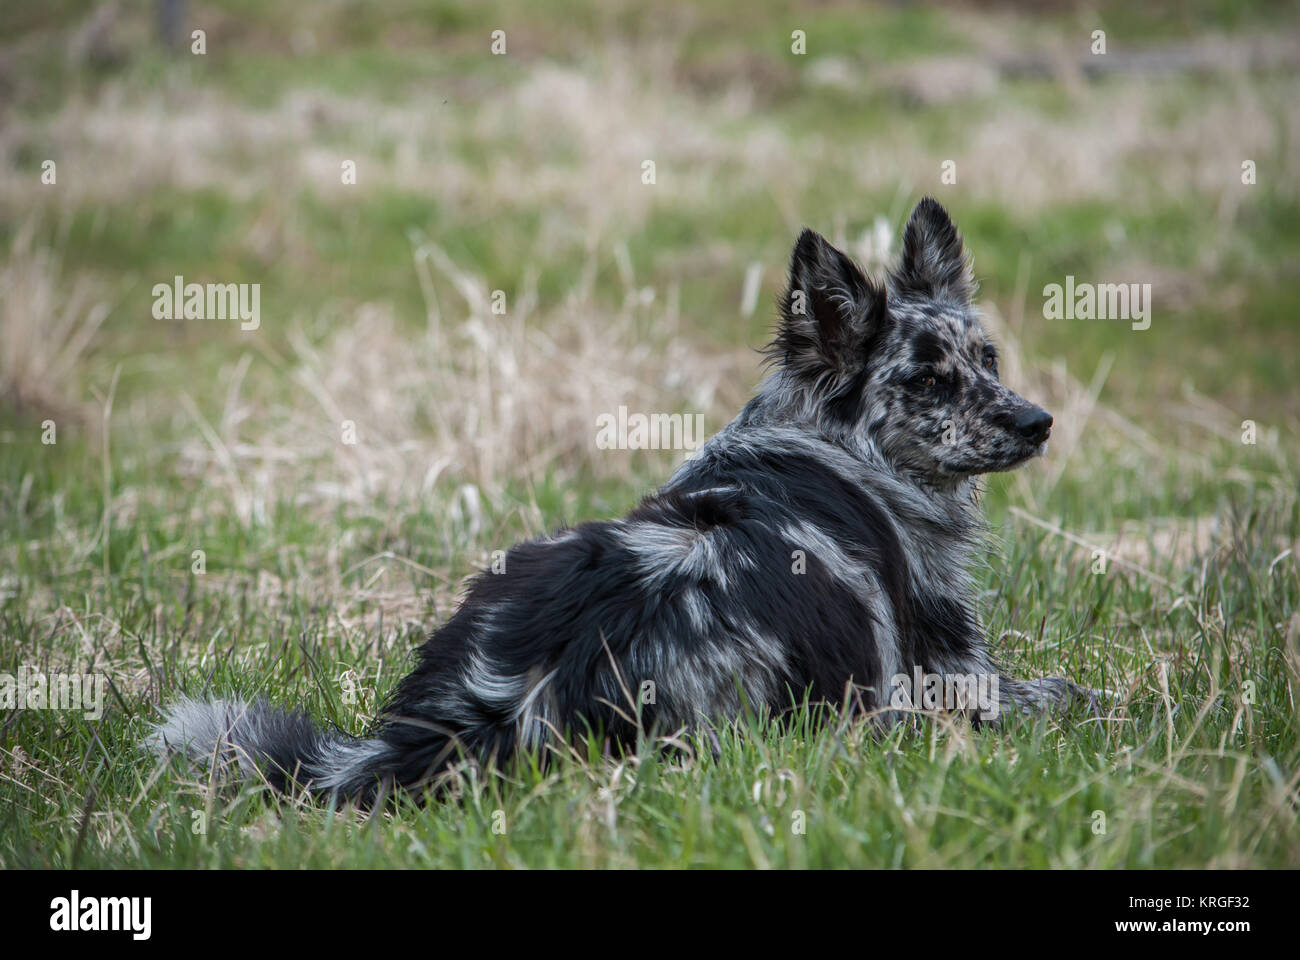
column 861, row 450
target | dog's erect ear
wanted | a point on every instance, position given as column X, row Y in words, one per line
column 934, row 263
column 829, row 311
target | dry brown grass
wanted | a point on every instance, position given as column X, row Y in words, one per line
column 47, row 324
column 471, row 402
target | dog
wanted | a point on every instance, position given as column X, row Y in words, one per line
column 816, row 550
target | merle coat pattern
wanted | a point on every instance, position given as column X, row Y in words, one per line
column 859, row 454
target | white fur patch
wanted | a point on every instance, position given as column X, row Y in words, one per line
column 197, row 728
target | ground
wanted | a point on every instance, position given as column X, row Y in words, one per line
column 200, row 523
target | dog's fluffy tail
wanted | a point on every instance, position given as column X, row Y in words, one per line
column 285, row 748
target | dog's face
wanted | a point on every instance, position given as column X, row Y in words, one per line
column 907, row 365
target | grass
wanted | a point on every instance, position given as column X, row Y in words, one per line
column 325, row 563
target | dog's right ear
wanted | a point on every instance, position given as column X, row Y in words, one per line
column 828, row 313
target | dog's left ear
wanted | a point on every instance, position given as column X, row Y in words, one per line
column 934, row 263
column 828, row 313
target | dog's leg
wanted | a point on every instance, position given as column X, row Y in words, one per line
column 1047, row 693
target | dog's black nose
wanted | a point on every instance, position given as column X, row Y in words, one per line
column 1034, row 424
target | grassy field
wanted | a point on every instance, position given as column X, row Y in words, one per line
column 200, row 525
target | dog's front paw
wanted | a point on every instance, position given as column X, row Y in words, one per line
column 1085, row 696
column 1047, row 693
column 1098, row 701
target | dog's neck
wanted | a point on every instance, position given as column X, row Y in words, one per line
column 784, row 401
column 941, row 521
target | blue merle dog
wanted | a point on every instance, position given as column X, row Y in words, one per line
column 812, row 551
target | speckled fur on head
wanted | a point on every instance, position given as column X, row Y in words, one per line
column 813, row 550
column 902, row 370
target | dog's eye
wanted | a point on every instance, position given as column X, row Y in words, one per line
column 990, row 362
column 928, row 381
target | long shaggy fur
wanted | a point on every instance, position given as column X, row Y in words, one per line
column 815, row 548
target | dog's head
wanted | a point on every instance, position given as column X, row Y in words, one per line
column 905, row 365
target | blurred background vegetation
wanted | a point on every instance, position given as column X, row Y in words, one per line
column 522, row 173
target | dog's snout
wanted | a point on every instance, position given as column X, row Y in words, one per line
column 1034, row 424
